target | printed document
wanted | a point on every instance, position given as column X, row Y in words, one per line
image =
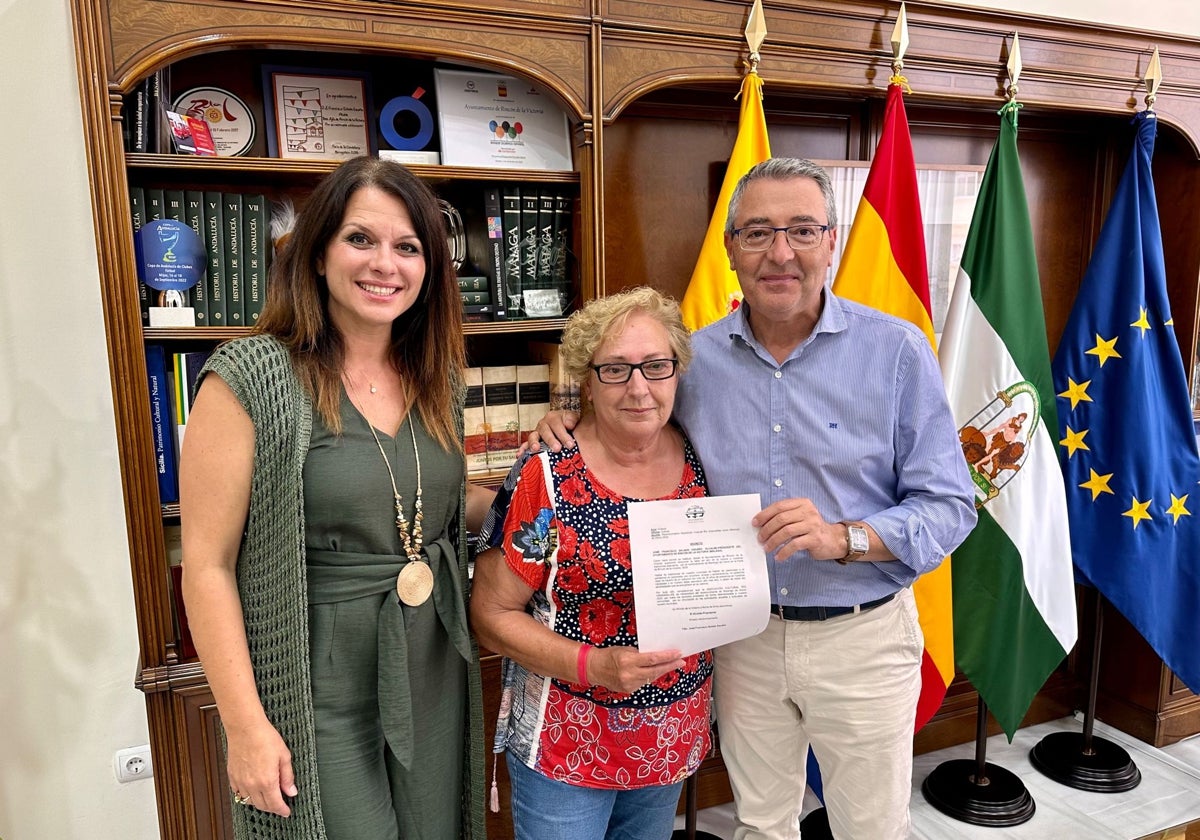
column 699, row 574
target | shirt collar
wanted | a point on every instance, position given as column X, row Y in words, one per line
column 831, row 320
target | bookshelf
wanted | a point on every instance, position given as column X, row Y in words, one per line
column 648, row 88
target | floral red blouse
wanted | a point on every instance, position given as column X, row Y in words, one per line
column 574, row 553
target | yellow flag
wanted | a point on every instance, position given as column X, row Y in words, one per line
column 713, row 291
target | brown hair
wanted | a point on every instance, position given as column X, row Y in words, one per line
column 427, row 340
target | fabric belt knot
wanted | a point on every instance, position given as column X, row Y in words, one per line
column 823, row 613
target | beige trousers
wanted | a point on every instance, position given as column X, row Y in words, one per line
column 849, row 687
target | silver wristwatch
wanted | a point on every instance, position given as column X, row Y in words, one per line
column 857, row 542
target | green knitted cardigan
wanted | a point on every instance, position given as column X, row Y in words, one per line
column 271, row 577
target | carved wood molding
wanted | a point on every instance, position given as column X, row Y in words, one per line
column 956, row 55
column 146, row 34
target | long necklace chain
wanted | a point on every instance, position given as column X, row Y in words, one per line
column 412, row 541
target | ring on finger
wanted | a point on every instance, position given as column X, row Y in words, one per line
column 241, row 798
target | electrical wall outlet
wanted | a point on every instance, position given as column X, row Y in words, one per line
column 133, row 763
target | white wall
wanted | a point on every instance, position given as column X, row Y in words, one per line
column 1180, row 17
column 68, row 649
column 67, row 639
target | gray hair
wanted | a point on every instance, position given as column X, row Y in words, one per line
column 784, row 169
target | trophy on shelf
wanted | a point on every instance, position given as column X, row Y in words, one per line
column 171, row 259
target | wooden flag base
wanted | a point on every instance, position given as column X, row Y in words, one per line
column 977, row 792
column 998, row 798
column 1106, row 768
column 1079, row 759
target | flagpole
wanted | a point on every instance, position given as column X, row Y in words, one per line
column 974, row 791
column 1083, row 761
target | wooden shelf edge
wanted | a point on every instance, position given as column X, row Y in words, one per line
column 287, row 166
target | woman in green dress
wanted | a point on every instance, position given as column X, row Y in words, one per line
column 324, row 509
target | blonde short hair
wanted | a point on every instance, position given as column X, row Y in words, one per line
column 605, row 317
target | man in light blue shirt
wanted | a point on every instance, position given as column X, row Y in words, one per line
column 836, row 415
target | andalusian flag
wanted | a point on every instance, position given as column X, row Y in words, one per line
column 1014, row 596
column 884, row 267
column 713, row 291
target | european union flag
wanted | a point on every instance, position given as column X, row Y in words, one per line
column 1128, row 447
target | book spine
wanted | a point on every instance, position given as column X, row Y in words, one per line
column 173, row 209
column 256, row 232
column 494, row 219
column 511, row 219
column 193, row 215
column 564, row 391
column 475, row 298
column 533, row 396
column 500, row 406
column 137, row 215
column 545, row 245
column 474, row 284
column 156, row 205
column 214, row 238
column 529, row 239
column 475, row 422
column 235, row 309
column 562, row 236
column 156, row 136
column 160, row 417
column 139, row 112
column 180, row 405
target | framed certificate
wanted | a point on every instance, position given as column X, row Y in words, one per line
column 500, row 122
column 317, row 114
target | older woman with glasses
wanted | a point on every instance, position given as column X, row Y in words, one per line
column 599, row 736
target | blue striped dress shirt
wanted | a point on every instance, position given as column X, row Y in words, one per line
column 856, row 420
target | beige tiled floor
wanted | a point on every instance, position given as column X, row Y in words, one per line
column 1158, row 809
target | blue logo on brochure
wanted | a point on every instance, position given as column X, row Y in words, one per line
column 171, row 256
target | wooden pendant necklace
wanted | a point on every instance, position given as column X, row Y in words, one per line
column 414, row 584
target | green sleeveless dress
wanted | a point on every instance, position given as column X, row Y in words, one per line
column 389, row 681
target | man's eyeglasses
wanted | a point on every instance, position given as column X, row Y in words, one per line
column 799, row 237
column 618, row 373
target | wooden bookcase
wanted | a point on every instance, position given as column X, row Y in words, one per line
column 648, row 86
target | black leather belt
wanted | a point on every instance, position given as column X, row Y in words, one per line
column 822, row 613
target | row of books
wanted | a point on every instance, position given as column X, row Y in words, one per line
column 505, row 402
column 528, row 237
column 172, row 379
column 144, row 123
column 236, row 231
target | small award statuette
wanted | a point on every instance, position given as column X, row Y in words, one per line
column 171, row 259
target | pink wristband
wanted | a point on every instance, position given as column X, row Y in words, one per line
column 581, row 663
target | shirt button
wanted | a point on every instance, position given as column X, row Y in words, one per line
column 779, row 482
column 783, row 590
column 776, row 427
column 779, row 374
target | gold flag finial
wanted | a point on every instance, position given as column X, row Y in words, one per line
column 1014, row 66
column 1153, row 80
column 899, row 41
column 756, row 32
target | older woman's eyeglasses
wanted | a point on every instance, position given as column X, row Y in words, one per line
column 618, row 373
column 799, row 237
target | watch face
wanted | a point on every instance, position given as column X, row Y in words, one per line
column 859, row 542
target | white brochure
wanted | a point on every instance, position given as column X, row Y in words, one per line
column 699, row 574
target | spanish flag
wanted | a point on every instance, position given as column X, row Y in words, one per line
column 713, row 291
column 884, row 267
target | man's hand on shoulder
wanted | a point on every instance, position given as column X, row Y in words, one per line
column 792, row 525
column 554, row 429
